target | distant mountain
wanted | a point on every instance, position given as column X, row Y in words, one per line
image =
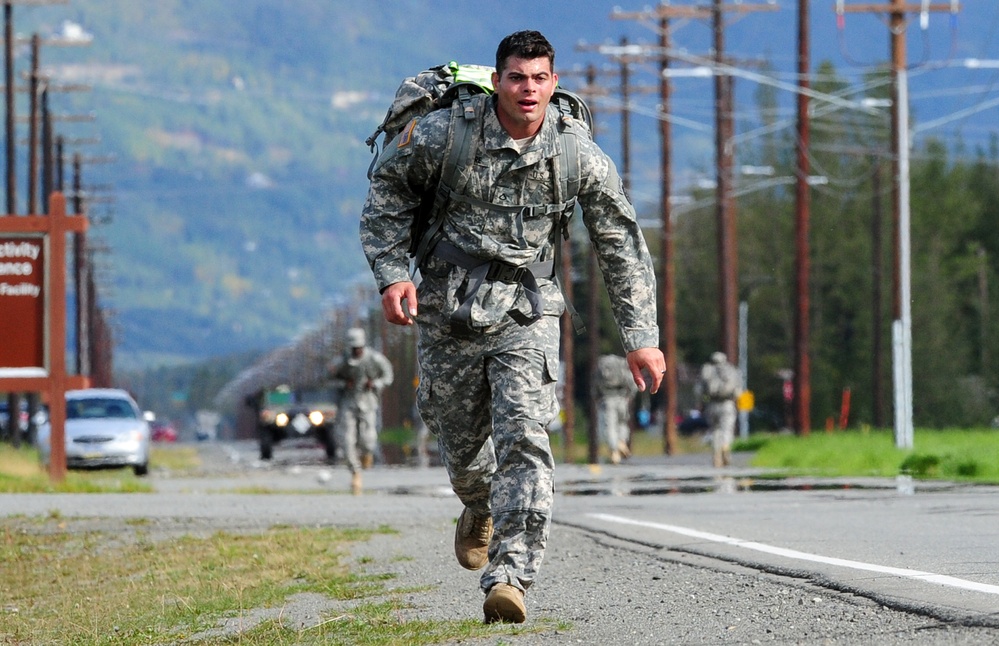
column 238, row 129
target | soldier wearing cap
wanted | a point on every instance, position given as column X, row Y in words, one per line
column 614, row 389
column 721, row 384
column 360, row 376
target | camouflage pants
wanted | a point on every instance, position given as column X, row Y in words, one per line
column 722, row 416
column 489, row 399
column 356, row 428
column 612, row 420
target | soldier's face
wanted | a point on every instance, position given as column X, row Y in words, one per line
column 523, row 92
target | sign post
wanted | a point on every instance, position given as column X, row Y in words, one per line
column 33, row 325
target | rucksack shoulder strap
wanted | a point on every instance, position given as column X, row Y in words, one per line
column 570, row 180
column 458, row 153
column 569, row 184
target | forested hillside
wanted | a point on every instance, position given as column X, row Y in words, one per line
column 238, row 127
column 238, row 131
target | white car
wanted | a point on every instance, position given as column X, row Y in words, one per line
column 104, row 428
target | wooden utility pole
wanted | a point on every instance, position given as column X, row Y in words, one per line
column 8, row 46
column 33, row 125
column 9, row 90
column 568, row 347
column 593, row 308
column 593, row 314
column 726, row 225
column 81, row 273
column 802, row 366
column 591, row 90
column 668, row 331
column 588, row 91
column 726, row 231
column 898, row 11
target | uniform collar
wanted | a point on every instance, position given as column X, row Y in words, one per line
column 494, row 136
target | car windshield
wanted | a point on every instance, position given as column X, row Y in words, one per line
column 99, row 408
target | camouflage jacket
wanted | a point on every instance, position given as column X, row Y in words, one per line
column 410, row 167
column 720, row 382
column 613, row 378
column 362, row 378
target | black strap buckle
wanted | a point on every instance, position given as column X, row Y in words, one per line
column 505, row 272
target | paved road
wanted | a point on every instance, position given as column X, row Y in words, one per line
column 664, row 551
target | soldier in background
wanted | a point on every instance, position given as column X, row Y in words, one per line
column 360, row 376
column 721, row 384
column 614, row 388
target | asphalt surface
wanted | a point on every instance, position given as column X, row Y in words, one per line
column 665, row 551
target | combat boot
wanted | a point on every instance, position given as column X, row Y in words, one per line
column 355, row 483
column 471, row 539
column 504, row 603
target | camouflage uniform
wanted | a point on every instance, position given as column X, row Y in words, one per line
column 613, row 388
column 722, row 384
column 488, row 393
column 360, row 381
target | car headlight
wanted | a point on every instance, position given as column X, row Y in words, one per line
column 281, row 419
column 316, row 417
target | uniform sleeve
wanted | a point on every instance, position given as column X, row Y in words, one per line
column 622, row 254
column 336, row 375
column 406, row 170
column 387, row 374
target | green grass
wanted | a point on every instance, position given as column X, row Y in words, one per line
column 952, row 454
column 62, row 582
column 22, row 472
column 643, row 444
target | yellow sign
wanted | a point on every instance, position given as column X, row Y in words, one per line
column 746, row 401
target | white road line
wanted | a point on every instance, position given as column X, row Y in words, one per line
column 929, row 577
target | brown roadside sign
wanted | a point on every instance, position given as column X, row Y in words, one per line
column 22, row 302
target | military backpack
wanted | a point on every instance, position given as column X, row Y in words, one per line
column 452, row 86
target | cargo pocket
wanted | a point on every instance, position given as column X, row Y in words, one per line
column 549, row 376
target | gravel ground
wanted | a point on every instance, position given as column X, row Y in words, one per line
column 610, row 592
column 593, row 589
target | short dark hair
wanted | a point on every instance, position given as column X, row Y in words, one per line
column 525, row 44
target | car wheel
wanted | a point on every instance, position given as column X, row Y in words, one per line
column 266, row 445
column 141, row 469
column 329, row 443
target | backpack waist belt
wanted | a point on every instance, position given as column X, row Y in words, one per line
column 480, row 270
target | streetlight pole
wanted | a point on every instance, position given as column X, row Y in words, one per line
column 902, row 326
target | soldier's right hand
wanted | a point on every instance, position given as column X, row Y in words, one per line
column 392, row 303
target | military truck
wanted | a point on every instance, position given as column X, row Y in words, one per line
column 285, row 414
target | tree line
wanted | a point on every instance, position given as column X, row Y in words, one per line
column 954, row 247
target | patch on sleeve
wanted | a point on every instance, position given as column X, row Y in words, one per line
column 407, row 135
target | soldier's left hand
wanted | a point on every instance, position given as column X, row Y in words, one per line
column 652, row 362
